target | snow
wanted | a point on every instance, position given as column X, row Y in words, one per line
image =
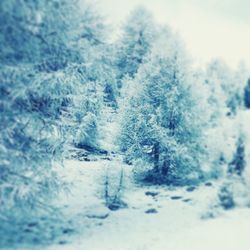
column 157, row 217
column 153, row 217
column 229, row 232
column 110, row 129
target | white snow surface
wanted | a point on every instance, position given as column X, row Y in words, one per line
column 156, row 217
column 181, row 222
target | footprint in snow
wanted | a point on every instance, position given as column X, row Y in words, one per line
column 208, row 184
column 98, row 216
column 187, row 200
column 67, row 230
column 150, row 193
column 176, row 197
column 151, row 211
column 62, row 242
column 190, row 189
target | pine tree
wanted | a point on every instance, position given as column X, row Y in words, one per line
column 135, row 43
column 236, row 89
column 162, row 126
column 218, row 76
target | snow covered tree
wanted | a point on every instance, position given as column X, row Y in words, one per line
column 234, row 190
column 86, row 109
column 226, row 86
column 247, row 95
column 238, row 163
column 225, row 96
column 135, row 43
column 46, row 85
column 19, row 25
column 46, row 27
column 162, row 125
column 236, row 89
column 218, row 76
column 97, row 79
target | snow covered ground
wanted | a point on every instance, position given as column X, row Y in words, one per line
column 152, row 217
column 156, row 217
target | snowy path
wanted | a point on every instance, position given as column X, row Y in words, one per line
column 156, row 218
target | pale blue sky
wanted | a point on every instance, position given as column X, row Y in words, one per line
column 211, row 28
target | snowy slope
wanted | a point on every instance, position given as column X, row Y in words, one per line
column 156, row 217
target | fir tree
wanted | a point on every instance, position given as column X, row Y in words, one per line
column 162, row 125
